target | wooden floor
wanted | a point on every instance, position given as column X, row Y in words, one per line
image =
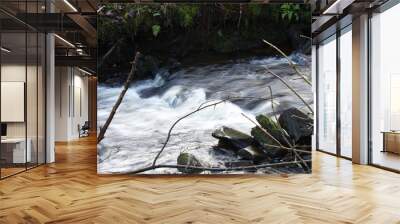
column 70, row 191
column 386, row 159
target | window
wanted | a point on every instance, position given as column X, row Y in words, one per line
column 385, row 89
column 327, row 95
column 346, row 92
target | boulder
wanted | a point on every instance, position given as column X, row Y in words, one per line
column 187, row 159
column 266, row 140
column 296, row 123
column 279, row 133
column 232, row 139
column 253, row 153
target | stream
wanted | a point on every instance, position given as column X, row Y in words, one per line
column 150, row 107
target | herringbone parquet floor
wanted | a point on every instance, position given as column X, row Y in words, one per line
column 70, row 191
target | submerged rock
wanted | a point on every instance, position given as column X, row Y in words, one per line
column 187, row 159
column 232, row 139
column 297, row 124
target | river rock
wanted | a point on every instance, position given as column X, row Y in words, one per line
column 232, row 139
column 296, row 123
column 278, row 132
column 187, row 159
column 266, row 141
column 253, row 153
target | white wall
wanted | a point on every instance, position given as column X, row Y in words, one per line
column 71, row 102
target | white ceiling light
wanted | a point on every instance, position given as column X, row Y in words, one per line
column 70, row 5
column 64, row 40
column 5, row 50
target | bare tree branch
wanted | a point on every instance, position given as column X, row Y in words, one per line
column 120, row 98
column 292, row 89
column 108, row 53
column 306, row 37
column 287, row 140
column 275, row 140
column 290, row 62
column 215, row 169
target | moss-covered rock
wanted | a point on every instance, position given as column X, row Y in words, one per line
column 253, row 153
column 187, row 159
column 266, row 141
column 232, row 139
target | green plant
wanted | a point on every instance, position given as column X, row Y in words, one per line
column 290, row 11
column 156, row 29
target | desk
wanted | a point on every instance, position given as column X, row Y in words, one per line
column 13, row 150
column 391, row 141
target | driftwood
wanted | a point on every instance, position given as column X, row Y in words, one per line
column 120, row 98
column 290, row 62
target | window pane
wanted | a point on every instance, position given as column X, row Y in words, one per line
column 346, row 93
column 327, row 95
column 385, row 88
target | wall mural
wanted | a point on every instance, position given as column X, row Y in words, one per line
column 204, row 89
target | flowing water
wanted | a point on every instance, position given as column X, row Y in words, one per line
column 150, row 107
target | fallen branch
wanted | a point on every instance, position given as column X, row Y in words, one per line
column 120, row 98
column 290, row 62
column 215, row 169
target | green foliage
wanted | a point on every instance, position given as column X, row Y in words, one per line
column 290, row 11
column 176, row 28
column 187, row 14
column 156, row 29
column 255, row 9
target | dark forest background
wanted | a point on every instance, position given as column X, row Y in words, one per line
column 173, row 35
